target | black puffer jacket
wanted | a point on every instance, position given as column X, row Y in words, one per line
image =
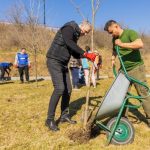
column 65, row 43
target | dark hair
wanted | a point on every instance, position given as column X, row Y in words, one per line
column 23, row 48
column 108, row 24
column 11, row 64
column 87, row 48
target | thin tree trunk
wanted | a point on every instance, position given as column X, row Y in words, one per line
column 86, row 115
column 35, row 62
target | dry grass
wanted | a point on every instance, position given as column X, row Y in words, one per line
column 23, row 109
column 42, row 68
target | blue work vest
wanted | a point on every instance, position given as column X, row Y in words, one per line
column 22, row 59
column 4, row 64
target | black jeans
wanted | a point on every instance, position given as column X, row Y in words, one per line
column 2, row 73
column 62, row 88
column 21, row 72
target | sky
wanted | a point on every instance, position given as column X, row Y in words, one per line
column 134, row 14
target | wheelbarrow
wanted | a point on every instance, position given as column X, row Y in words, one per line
column 119, row 129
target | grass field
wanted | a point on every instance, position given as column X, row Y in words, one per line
column 23, row 109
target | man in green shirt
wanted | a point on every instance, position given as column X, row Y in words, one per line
column 130, row 43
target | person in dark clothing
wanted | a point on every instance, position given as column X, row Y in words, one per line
column 62, row 48
column 23, row 64
column 5, row 68
column 75, row 65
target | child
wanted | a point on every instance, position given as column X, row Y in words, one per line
column 86, row 69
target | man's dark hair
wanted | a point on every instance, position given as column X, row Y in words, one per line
column 108, row 24
column 11, row 64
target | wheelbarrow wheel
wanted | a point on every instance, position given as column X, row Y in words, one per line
column 124, row 133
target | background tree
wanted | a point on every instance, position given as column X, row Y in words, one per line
column 26, row 19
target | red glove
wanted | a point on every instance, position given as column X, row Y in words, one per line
column 90, row 56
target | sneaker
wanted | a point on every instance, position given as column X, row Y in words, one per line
column 51, row 124
column 67, row 119
column 21, row 82
column 148, row 124
column 148, row 121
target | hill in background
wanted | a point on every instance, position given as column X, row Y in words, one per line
column 37, row 39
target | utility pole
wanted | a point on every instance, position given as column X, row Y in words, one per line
column 44, row 13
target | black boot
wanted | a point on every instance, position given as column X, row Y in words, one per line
column 148, row 121
column 148, row 124
column 67, row 119
column 51, row 124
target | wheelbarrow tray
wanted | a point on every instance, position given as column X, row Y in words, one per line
column 114, row 97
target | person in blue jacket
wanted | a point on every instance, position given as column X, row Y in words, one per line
column 5, row 67
column 23, row 64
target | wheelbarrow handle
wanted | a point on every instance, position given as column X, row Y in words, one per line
column 131, row 79
column 114, row 71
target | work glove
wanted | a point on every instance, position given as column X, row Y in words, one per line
column 90, row 56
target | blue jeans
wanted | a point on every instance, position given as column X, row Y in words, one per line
column 75, row 76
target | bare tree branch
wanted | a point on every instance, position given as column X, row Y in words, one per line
column 78, row 9
column 94, row 10
column 15, row 13
column 97, row 6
